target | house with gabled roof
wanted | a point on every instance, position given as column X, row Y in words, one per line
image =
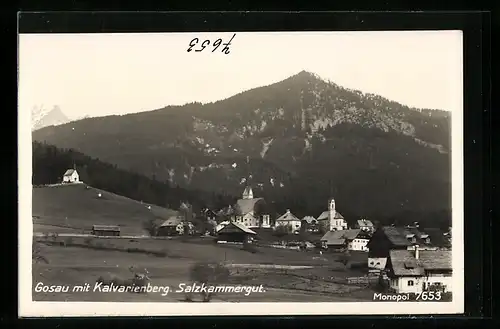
column 289, row 220
column 235, row 233
column 311, row 224
column 250, row 211
column 71, row 176
column 365, row 225
column 415, row 271
column 175, row 225
column 384, row 240
column 351, row 239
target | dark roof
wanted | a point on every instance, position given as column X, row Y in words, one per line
column 287, row 216
column 436, row 259
column 105, row 227
column 404, row 262
column 244, row 206
column 232, row 225
column 340, row 237
column 172, row 221
column 364, row 223
column 396, row 236
column 69, row 172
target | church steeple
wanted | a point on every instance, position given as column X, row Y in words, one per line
column 248, row 193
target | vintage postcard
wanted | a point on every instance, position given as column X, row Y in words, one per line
column 277, row 173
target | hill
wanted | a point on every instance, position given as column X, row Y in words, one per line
column 303, row 140
column 50, row 163
column 76, row 207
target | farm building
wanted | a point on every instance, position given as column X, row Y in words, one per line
column 384, row 240
column 419, row 270
column 249, row 211
column 106, row 230
column 235, row 232
column 289, row 220
column 365, row 225
column 175, row 225
column 353, row 239
column 311, row 224
column 331, row 219
column 71, row 176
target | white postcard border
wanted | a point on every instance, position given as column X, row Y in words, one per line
column 30, row 308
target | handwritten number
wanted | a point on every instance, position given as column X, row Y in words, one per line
column 217, row 44
column 192, row 44
column 226, row 45
column 204, row 45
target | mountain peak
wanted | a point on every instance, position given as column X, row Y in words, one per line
column 42, row 117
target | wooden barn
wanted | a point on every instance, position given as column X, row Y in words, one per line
column 105, row 230
column 235, row 232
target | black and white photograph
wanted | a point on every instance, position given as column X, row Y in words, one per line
column 249, row 172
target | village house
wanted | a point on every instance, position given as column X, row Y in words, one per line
column 311, row 224
column 71, row 176
column 331, row 219
column 235, row 233
column 384, row 240
column 342, row 240
column 419, row 270
column 175, row 225
column 365, row 225
column 290, row 221
column 390, row 238
column 251, row 212
column 209, row 214
column 105, row 230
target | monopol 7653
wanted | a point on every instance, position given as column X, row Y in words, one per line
column 425, row 296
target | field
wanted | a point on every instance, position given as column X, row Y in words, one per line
column 83, row 260
column 61, row 213
column 75, row 208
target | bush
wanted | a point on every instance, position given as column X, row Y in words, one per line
column 209, row 273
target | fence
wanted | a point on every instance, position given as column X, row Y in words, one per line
column 361, row 280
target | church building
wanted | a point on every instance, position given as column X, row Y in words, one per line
column 250, row 211
column 331, row 219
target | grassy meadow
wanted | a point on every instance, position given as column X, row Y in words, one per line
column 76, row 260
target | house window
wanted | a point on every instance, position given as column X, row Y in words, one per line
column 410, row 283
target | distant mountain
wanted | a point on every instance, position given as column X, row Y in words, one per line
column 43, row 117
column 303, row 140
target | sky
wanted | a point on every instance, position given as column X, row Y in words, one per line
column 104, row 74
